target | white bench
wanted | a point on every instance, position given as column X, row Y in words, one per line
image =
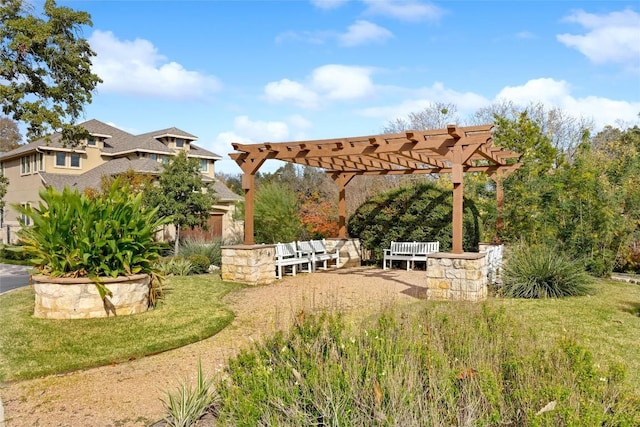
column 317, row 250
column 409, row 252
column 288, row 256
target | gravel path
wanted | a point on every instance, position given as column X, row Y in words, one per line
column 129, row 394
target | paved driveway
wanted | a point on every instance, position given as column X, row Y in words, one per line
column 13, row 276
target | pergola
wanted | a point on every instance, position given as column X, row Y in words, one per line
column 454, row 150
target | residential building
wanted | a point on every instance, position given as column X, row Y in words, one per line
column 108, row 152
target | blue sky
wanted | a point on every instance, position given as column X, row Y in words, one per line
column 257, row 71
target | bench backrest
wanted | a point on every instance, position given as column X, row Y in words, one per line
column 286, row 250
column 305, row 247
column 319, row 246
column 414, row 248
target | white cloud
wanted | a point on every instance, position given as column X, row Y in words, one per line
column 549, row 92
column 329, row 83
column 362, row 32
column 405, row 10
column 136, row 68
column 614, row 37
column 467, row 102
column 288, row 90
column 342, row 82
column 247, row 131
column 554, row 93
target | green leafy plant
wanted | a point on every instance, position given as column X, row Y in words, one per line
column 541, row 271
column 199, row 262
column 73, row 235
column 193, row 246
column 186, row 406
column 174, row 266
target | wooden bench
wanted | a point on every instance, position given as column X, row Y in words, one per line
column 287, row 255
column 317, row 250
column 409, row 252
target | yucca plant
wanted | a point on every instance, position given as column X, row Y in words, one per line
column 73, row 235
column 542, row 271
column 185, row 407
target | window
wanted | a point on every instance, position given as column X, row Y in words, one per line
column 204, row 165
column 75, row 160
column 38, row 163
column 25, row 219
column 165, row 160
column 1, row 169
column 25, row 165
column 61, row 160
column 153, row 156
column 91, row 142
column 179, row 142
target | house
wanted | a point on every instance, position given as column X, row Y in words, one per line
column 109, row 151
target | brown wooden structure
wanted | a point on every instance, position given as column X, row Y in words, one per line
column 454, row 150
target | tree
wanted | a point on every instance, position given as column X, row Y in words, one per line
column 45, row 68
column 9, row 135
column 4, row 182
column 276, row 214
column 182, row 195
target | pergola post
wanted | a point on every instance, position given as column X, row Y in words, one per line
column 457, row 178
column 248, row 185
column 342, row 180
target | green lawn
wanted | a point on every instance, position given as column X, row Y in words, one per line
column 606, row 323
column 191, row 311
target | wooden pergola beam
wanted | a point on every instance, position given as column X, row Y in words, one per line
column 454, row 150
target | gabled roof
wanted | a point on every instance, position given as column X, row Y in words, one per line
column 93, row 178
column 119, row 142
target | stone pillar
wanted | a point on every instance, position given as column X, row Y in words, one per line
column 350, row 251
column 251, row 264
column 457, row 277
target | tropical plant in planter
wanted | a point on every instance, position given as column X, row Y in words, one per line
column 76, row 236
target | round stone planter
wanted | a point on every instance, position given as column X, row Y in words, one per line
column 78, row 298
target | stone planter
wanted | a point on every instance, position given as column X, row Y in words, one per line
column 78, row 298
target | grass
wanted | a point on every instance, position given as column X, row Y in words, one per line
column 605, row 322
column 191, row 311
column 436, row 364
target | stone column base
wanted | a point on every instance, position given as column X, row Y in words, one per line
column 457, row 277
column 251, row 264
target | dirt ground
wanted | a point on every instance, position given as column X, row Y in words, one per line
column 129, row 394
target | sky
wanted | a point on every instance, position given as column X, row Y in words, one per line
column 270, row 71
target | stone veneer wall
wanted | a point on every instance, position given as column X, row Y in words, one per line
column 350, row 251
column 78, row 298
column 457, row 277
column 251, row 264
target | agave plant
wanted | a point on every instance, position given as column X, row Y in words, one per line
column 74, row 235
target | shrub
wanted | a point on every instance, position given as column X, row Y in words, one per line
column 212, row 250
column 74, row 235
column 540, row 271
column 447, row 365
column 199, row 263
column 421, row 212
column 189, row 404
column 174, row 266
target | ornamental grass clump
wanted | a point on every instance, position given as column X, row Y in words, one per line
column 540, row 271
column 74, row 235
